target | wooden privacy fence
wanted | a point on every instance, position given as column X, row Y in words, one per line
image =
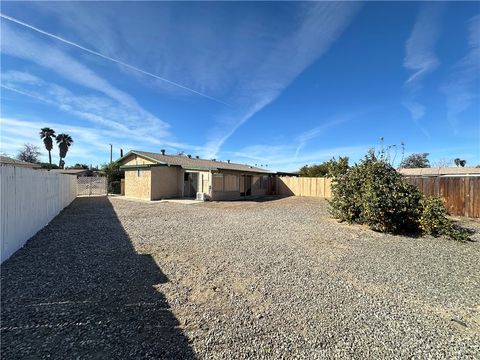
column 304, row 186
column 461, row 194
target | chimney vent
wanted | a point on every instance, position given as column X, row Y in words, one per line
column 189, row 156
column 214, row 159
column 198, row 157
column 228, row 161
column 162, row 151
column 121, row 152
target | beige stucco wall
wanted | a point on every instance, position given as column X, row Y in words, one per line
column 134, row 159
column 165, row 182
column 138, row 183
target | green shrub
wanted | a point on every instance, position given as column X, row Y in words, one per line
column 433, row 220
column 375, row 194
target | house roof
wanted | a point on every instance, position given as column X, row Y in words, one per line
column 14, row 162
column 73, row 171
column 194, row 163
column 439, row 171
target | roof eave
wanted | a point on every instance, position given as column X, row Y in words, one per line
column 142, row 155
column 141, row 166
column 186, row 167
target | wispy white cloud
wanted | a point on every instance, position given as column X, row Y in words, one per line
column 116, row 61
column 89, row 145
column 311, row 134
column 96, row 110
column 320, row 25
column 112, row 107
column 460, row 90
column 250, row 62
column 420, row 58
column 279, row 157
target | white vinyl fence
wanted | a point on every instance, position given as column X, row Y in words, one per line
column 30, row 199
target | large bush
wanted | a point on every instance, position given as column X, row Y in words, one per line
column 328, row 168
column 375, row 194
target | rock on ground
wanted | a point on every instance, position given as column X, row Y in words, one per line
column 113, row 278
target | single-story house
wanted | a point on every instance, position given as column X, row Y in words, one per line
column 5, row 160
column 441, row 171
column 154, row 176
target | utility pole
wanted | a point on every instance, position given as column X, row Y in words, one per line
column 111, row 150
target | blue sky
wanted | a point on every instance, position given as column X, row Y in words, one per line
column 280, row 84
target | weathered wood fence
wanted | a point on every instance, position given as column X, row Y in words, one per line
column 461, row 194
column 304, row 186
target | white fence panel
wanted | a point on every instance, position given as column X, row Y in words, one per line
column 30, row 199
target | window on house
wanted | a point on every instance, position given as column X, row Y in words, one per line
column 217, row 182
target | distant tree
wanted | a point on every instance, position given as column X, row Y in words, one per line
column 48, row 135
column 314, row 170
column 415, row 161
column 114, row 175
column 460, row 162
column 112, row 171
column 64, row 142
column 79, row 166
column 330, row 168
column 29, row 153
column 45, row 165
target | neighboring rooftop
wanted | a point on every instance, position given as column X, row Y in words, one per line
column 195, row 163
column 73, row 171
column 5, row 160
column 439, row 171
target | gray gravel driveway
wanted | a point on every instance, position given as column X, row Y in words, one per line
column 115, row 278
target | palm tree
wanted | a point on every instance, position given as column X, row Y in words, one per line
column 47, row 134
column 64, row 141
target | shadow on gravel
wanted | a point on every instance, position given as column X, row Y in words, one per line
column 78, row 289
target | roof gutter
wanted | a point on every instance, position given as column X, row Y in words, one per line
column 140, row 166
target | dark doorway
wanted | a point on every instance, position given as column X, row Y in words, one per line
column 190, row 184
column 245, row 185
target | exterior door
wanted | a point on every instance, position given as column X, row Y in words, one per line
column 245, row 185
column 190, row 184
column 248, row 185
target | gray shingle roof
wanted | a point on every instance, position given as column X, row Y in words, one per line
column 194, row 163
column 14, row 162
column 435, row 171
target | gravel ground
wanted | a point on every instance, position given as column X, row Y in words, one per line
column 113, row 278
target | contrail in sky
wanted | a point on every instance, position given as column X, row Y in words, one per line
column 109, row 58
